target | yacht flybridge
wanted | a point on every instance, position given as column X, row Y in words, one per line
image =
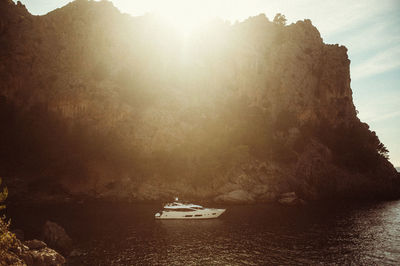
column 178, row 210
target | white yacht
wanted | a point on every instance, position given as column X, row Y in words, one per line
column 178, row 210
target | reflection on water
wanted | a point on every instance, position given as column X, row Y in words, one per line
column 126, row 234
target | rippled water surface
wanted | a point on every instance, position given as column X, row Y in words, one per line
column 127, row 234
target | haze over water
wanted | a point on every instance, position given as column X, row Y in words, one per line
column 117, row 234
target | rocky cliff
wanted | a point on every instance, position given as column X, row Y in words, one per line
column 100, row 103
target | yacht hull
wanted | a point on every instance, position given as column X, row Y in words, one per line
column 198, row 214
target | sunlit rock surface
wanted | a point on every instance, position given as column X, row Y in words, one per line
column 102, row 104
column 32, row 252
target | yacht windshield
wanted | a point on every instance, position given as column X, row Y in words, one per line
column 178, row 210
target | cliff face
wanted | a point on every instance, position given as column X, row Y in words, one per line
column 101, row 103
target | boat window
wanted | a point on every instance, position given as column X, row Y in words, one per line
column 198, row 208
column 198, row 215
column 184, row 210
column 188, row 215
column 178, row 209
column 214, row 213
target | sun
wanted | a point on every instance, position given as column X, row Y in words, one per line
column 186, row 16
column 185, row 24
column 183, row 17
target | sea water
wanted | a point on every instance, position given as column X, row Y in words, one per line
column 318, row 233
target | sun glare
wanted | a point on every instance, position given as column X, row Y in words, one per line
column 185, row 23
column 184, row 16
column 184, row 20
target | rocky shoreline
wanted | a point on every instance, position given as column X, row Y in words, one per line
column 33, row 252
column 56, row 245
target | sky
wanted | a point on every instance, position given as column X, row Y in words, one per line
column 370, row 29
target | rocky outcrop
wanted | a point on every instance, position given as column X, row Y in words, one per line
column 14, row 251
column 31, row 253
column 290, row 199
column 120, row 107
column 42, row 257
column 236, row 196
column 56, row 237
column 35, row 244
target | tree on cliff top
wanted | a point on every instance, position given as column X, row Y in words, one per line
column 280, row 19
